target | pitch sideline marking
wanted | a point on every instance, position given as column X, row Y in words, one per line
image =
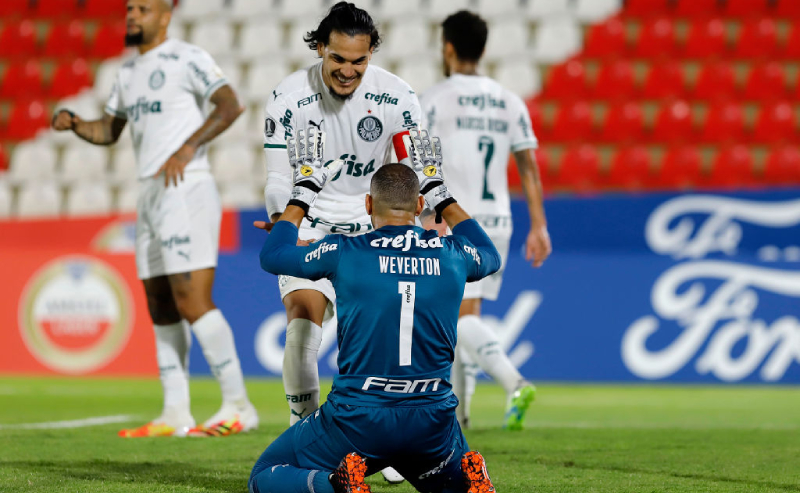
column 72, row 423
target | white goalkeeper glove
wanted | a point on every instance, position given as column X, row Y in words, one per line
column 309, row 172
column 425, row 154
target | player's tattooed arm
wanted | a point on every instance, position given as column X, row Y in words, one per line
column 104, row 131
column 537, row 245
column 226, row 110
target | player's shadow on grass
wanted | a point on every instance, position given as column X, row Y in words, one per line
column 138, row 473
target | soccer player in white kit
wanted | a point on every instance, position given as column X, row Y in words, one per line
column 365, row 111
column 162, row 94
column 480, row 123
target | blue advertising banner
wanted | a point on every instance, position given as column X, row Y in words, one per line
column 678, row 288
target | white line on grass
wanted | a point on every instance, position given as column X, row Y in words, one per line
column 72, row 423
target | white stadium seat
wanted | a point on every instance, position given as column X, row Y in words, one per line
column 556, row 40
column 592, row 11
column 32, row 161
column 502, row 8
column 544, row 9
column 420, row 75
column 233, row 72
column 126, row 198
column 240, row 195
column 522, row 78
column 508, row 39
column 104, row 79
column 214, row 36
column 233, row 163
column 298, row 49
column 88, row 199
column 123, row 169
column 305, row 10
column 82, row 161
column 437, row 10
column 388, row 10
column 260, row 38
column 40, row 199
column 247, row 10
column 407, row 38
column 192, row 10
column 263, row 77
column 5, row 199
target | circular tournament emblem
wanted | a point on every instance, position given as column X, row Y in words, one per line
column 75, row 314
column 429, row 170
column 306, row 170
column 370, row 128
column 157, row 79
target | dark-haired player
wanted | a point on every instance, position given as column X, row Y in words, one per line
column 398, row 291
column 365, row 111
column 480, row 123
column 161, row 93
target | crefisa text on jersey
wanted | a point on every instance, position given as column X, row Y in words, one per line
column 405, row 241
column 380, row 99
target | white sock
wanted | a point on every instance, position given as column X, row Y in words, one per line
column 172, row 354
column 463, row 380
column 483, row 347
column 300, row 369
column 216, row 339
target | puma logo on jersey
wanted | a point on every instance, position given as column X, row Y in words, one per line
column 142, row 107
column 380, row 99
column 401, row 386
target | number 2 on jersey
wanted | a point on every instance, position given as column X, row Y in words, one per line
column 408, row 293
column 488, row 144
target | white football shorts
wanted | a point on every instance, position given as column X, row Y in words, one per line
column 177, row 228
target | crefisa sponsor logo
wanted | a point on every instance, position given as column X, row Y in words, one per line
column 714, row 303
column 75, row 314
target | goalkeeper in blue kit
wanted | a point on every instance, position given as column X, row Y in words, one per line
column 398, row 291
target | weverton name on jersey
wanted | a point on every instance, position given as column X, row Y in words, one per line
column 409, row 266
column 405, row 242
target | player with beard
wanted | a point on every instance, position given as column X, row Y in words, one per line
column 480, row 123
column 161, row 93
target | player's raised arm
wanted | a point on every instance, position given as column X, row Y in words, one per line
column 105, row 131
column 278, row 127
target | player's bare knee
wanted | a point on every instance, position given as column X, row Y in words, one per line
column 162, row 310
column 192, row 309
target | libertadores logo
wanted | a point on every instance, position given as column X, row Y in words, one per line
column 75, row 314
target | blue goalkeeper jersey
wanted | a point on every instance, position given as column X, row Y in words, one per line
column 398, row 292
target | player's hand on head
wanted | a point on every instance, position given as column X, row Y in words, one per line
column 537, row 246
column 173, row 168
column 64, row 120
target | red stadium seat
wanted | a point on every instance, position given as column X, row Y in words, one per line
column 757, row 40
column 656, row 39
column 680, row 168
column 573, row 122
column 766, row 82
column 715, row 81
column 580, row 168
column 566, row 81
column 696, row 8
column 606, row 40
column 537, row 119
column 733, row 167
column 3, row 159
column 791, row 50
column 776, row 124
column 783, row 166
column 70, row 77
column 746, row 8
column 788, row 8
column 631, row 169
column 56, row 8
column 623, row 124
column 646, row 8
column 664, row 81
column 706, row 39
column 673, row 123
column 109, row 41
column 66, row 40
column 11, row 8
column 724, row 124
column 95, row 9
column 22, row 80
column 18, row 40
column 26, row 119
column 542, row 161
column 615, row 81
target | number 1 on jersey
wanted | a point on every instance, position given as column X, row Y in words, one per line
column 488, row 144
column 408, row 293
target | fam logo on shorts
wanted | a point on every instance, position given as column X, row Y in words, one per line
column 75, row 314
column 370, row 128
column 157, row 80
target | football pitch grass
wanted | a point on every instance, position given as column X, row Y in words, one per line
column 577, row 438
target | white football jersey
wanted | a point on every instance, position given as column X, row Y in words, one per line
column 163, row 94
column 479, row 123
column 359, row 130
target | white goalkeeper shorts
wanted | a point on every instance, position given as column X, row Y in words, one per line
column 489, row 287
column 177, row 228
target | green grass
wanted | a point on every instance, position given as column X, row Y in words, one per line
column 577, row 438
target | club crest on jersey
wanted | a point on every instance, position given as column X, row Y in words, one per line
column 370, row 128
column 429, row 170
column 269, row 127
column 157, row 80
column 306, row 170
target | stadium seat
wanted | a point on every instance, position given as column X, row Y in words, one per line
column 32, row 161
column 706, row 39
column 631, row 169
column 656, row 39
column 195, row 10
column 788, row 9
column 22, row 80
column 615, row 81
column 791, row 50
column 232, row 163
column 541, row 130
column 12, row 8
column 696, row 8
column 623, row 124
column 66, row 39
column 664, row 81
column 18, row 40
column 776, row 124
column 766, row 82
column 592, row 11
column 83, row 162
column 292, row 10
column 715, row 81
column 109, row 41
column 606, row 40
column 259, row 39
column 732, row 167
column 239, row 195
column 88, row 199
column 70, row 77
column 508, row 39
column 680, row 168
column 556, row 40
column 420, row 75
column 5, row 199
column 580, row 169
column 98, row 9
column 782, row 166
column 126, row 198
column 251, row 10
column 724, row 124
column 26, row 119
column 297, row 49
column 104, row 79
column 123, row 167
column 408, row 37
column 3, row 161
column 38, row 200
column 263, row 77
column 214, row 36
column 746, row 8
column 573, row 122
column 673, row 123
column 566, row 81
column 232, row 70
column 521, row 78
column 646, row 8
column 542, row 10
column 757, row 40
column 53, row 9
column 489, row 9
